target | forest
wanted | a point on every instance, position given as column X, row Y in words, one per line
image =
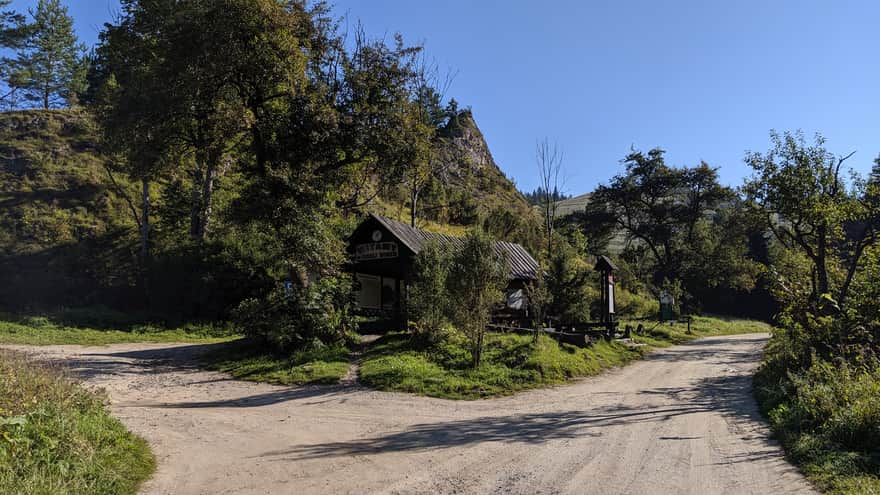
column 205, row 163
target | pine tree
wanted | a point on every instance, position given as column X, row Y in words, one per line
column 48, row 68
column 12, row 33
column 11, row 24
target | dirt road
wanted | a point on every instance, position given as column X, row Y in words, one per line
column 680, row 421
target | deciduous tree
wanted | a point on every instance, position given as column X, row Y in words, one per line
column 476, row 280
column 798, row 189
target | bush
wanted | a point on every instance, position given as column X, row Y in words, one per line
column 427, row 301
column 300, row 318
column 825, row 411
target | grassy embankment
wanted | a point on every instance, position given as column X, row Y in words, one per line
column 41, row 330
column 827, row 418
column 511, row 362
column 515, row 362
column 57, row 438
column 246, row 362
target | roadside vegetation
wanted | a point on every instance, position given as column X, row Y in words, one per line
column 819, row 384
column 246, row 361
column 514, row 362
column 43, row 330
column 57, row 438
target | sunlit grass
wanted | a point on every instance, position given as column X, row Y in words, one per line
column 57, row 438
column 516, row 362
column 248, row 362
column 41, row 330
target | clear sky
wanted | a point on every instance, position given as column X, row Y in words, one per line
column 705, row 80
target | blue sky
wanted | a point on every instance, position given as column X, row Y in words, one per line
column 705, row 80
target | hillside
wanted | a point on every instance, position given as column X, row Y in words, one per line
column 68, row 235
column 57, row 208
column 468, row 184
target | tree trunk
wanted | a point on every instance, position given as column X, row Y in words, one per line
column 207, row 199
column 821, row 256
column 145, row 220
column 196, row 203
column 863, row 242
column 414, row 198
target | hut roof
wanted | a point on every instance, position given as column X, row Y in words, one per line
column 520, row 263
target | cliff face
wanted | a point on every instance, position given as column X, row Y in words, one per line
column 467, row 164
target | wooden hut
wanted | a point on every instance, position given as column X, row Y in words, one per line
column 382, row 252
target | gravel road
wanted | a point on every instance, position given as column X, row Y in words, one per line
column 680, row 421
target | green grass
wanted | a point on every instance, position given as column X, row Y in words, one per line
column 39, row 330
column 57, row 438
column 826, row 416
column 515, row 362
column 664, row 334
column 248, row 362
column 510, row 363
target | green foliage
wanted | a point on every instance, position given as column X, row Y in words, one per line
column 476, row 279
column 680, row 224
column 510, row 363
column 49, row 66
column 513, row 362
column 798, row 191
column 11, row 27
column 300, row 317
column 56, row 437
column 244, row 361
column 569, row 285
column 61, row 330
column 826, row 414
column 427, row 299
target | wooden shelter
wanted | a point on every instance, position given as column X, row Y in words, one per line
column 382, row 252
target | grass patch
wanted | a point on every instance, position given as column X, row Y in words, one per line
column 665, row 334
column 516, row 362
column 57, row 438
column 826, row 416
column 41, row 330
column 245, row 361
column 511, row 363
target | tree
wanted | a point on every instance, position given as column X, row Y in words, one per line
column 476, row 280
column 428, row 116
column 799, row 193
column 549, row 160
column 11, row 26
column 567, row 283
column 658, row 206
column 12, row 33
column 426, row 300
column 48, row 68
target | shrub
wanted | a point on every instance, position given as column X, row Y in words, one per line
column 427, row 301
column 298, row 318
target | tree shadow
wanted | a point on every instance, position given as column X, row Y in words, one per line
column 534, row 428
column 727, row 396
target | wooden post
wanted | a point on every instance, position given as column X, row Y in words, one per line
column 606, row 268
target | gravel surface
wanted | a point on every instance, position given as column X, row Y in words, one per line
column 680, row 421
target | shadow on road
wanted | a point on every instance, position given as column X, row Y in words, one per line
column 728, row 396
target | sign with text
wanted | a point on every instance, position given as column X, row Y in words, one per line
column 375, row 251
